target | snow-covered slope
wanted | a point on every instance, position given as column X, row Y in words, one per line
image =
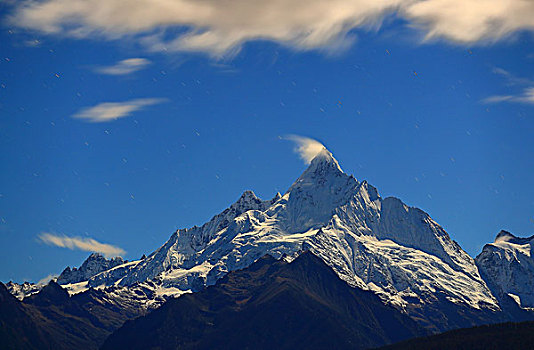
column 373, row 243
column 507, row 265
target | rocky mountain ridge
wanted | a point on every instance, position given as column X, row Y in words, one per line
column 373, row 243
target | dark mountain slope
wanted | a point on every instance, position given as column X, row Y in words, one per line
column 517, row 336
column 51, row 319
column 20, row 325
column 270, row 305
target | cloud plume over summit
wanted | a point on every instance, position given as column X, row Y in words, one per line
column 307, row 148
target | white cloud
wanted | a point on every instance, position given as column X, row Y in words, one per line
column 510, row 78
column 470, row 21
column 123, row 67
column 81, row 243
column 220, row 27
column 108, row 111
column 527, row 96
column 306, row 147
column 45, row 280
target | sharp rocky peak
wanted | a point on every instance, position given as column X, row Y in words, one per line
column 246, row 199
column 93, row 265
column 52, row 293
column 249, row 201
column 323, row 163
column 311, row 200
column 505, row 236
column 247, row 195
column 324, row 170
column 95, row 256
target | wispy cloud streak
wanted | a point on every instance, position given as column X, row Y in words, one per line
column 45, row 280
column 527, row 96
column 511, row 79
column 124, row 67
column 81, row 243
column 109, row 111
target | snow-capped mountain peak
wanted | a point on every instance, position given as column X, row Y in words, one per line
column 322, row 165
column 377, row 244
column 322, row 168
column 311, row 200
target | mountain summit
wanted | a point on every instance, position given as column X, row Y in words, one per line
column 311, row 200
column 323, row 164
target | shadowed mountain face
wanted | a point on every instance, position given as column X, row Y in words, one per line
column 18, row 324
column 51, row 319
column 270, row 305
column 517, row 336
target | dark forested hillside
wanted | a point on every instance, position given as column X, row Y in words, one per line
column 51, row 319
column 270, row 305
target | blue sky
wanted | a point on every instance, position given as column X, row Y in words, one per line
column 122, row 126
